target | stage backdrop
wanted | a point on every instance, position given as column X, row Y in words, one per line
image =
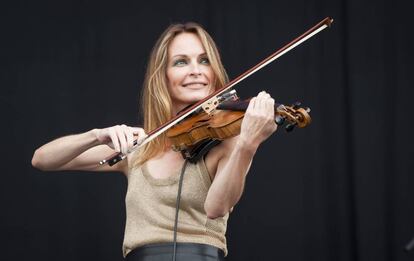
column 341, row 189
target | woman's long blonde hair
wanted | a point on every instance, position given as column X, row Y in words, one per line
column 155, row 99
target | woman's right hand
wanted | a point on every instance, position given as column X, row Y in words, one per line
column 120, row 137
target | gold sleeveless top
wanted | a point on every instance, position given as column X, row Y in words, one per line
column 150, row 209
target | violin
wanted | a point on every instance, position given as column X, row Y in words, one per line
column 210, row 104
column 197, row 134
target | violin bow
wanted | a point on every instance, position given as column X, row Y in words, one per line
column 212, row 100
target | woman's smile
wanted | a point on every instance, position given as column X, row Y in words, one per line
column 196, row 85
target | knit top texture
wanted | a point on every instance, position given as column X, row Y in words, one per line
column 150, row 209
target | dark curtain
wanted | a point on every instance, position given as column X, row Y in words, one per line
column 341, row 189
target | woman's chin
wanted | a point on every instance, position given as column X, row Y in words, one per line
column 189, row 100
column 196, row 96
column 191, row 97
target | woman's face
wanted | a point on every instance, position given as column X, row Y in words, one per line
column 189, row 74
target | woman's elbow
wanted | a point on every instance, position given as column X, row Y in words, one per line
column 37, row 161
column 215, row 212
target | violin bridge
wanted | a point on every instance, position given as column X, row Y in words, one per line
column 210, row 105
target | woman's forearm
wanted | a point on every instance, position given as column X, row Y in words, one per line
column 62, row 150
column 228, row 184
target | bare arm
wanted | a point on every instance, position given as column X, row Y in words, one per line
column 229, row 180
column 227, row 187
column 84, row 151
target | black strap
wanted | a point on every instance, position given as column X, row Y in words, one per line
column 177, row 207
column 199, row 150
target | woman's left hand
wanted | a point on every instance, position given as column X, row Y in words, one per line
column 259, row 120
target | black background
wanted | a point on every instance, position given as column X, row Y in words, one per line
column 341, row 189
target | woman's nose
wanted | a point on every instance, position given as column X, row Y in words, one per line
column 195, row 69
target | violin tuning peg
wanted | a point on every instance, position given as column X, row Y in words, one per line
column 279, row 120
column 290, row 126
column 296, row 105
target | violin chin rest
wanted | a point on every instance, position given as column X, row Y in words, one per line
column 199, row 150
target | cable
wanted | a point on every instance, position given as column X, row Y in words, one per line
column 177, row 207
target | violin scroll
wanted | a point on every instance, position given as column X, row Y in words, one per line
column 294, row 114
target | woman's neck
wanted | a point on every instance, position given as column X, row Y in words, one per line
column 176, row 108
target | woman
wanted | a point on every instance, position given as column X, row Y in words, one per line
column 184, row 67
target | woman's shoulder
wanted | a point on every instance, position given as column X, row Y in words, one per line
column 130, row 164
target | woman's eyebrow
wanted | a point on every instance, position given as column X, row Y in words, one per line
column 184, row 55
column 179, row 55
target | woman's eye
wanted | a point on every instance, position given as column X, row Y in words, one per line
column 180, row 62
column 204, row 61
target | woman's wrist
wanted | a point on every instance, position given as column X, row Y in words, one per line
column 94, row 134
column 246, row 145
